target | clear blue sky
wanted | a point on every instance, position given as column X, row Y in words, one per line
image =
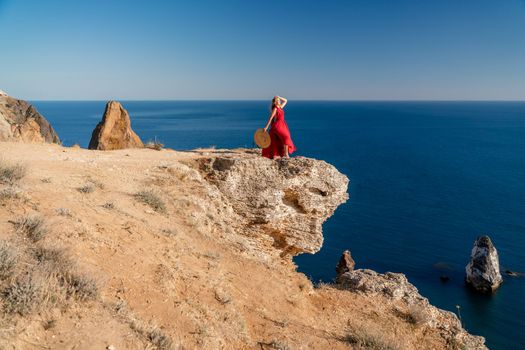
column 354, row 49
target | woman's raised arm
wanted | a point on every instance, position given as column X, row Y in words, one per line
column 270, row 119
column 284, row 101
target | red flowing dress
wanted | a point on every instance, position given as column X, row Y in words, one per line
column 280, row 136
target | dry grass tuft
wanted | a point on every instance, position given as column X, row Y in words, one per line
column 108, row 205
column 370, row 336
column 57, row 262
column 158, row 339
column 11, row 174
column 152, row 199
column 169, row 232
column 417, row 315
column 81, row 287
column 154, row 145
column 46, row 180
column 151, row 333
column 31, row 226
column 87, row 188
column 47, row 278
column 23, row 296
column 8, row 260
column 56, row 258
column 10, row 193
column 63, row 212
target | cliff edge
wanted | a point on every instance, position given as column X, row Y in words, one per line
column 135, row 249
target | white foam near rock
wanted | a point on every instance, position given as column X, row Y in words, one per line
column 3, row 93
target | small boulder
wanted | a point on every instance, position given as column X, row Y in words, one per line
column 482, row 271
column 114, row 131
column 346, row 264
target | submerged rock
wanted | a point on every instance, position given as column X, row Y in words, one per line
column 482, row 271
column 114, row 131
column 346, row 264
column 20, row 121
column 444, row 278
column 512, row 273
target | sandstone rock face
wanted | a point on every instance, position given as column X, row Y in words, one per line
column 20, row 121
column 346, row 264
column 483, row 272
column 114, row 131
column 395, row 288
column 287, row 199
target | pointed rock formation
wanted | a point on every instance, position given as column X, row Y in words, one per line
column 346, row 264
column 114, row 131
column 483, row 272
column 20, row 121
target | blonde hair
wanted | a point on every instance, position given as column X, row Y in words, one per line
column 275, row 102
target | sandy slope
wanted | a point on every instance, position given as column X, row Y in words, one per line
column 186, row 271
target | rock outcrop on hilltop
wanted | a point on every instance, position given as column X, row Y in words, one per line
column 287, row 199
column 482, row 272
column 20, row 121
column 114, row 130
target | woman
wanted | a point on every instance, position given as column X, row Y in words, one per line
column 282, row 145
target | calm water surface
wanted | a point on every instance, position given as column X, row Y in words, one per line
column 426, row 179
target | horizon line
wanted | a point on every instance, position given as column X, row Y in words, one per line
column 265, row 99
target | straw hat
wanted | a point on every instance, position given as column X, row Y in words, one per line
column 262, row 138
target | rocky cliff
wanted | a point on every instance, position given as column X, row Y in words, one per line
column 287, row 200
column 189, row 250
column 20, row 121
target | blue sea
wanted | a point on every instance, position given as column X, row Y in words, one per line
column 426, row 179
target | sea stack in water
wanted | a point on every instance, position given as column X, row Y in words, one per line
column 114, row 131
column 483, row 272
column 20, row 121
column 346, row 264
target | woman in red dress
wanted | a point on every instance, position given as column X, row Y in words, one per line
column 282, row 144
